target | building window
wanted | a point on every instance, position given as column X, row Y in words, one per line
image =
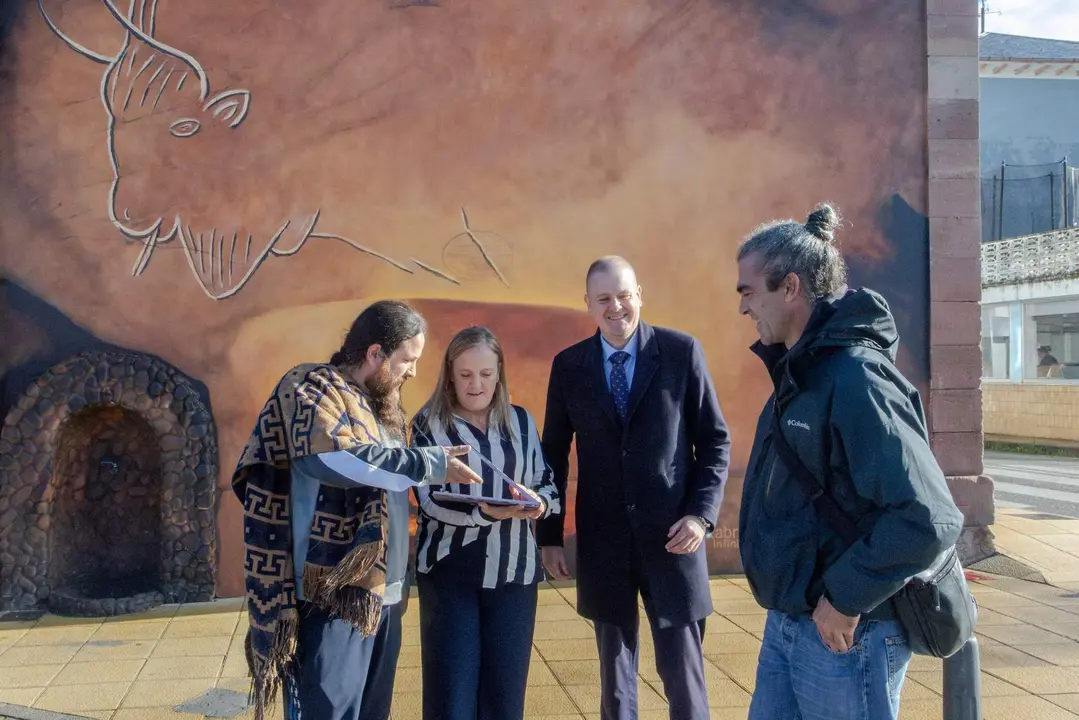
column 1051, row 347
column 996, row 341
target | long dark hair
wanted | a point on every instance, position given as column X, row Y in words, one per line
column 386, row 323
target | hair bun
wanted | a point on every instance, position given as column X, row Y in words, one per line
column 822, row 222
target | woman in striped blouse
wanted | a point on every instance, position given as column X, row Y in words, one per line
column 478, row 565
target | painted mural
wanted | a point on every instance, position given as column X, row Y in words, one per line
column 221, row 187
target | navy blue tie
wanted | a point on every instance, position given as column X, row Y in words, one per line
column 619, row 384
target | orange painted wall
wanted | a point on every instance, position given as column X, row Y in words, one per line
column 566, row 129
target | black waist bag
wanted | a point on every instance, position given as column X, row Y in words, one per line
column 935, row 607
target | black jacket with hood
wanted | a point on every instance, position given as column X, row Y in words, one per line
column 858, row 426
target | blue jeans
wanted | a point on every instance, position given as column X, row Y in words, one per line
column 800, row 678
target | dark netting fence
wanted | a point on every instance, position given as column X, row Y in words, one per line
column 1026, row 199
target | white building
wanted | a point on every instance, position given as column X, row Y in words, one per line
column 1030, row 338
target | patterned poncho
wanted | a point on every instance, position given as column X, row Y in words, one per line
column 313, row 410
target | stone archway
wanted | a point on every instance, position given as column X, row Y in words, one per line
column 120, row 430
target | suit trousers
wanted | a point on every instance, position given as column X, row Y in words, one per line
column 340, row 674
column 679, row 662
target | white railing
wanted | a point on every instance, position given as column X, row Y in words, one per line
column 1045, row 256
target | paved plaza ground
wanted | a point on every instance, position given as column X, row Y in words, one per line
column 144, row 667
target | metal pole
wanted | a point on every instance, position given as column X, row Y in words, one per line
column 1053, row 201
column 1067, row 186
column 963, row 683
column 1000, row 208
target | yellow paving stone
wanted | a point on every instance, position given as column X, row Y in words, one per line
column 575, row 672
column 38, row 655
column 1016, row 635
column 734, row 663
column 997, row 655
column 920, row 708
column 1040, row 616
column 1068, row 630
column 238, row 643
column 1000, row 600
column 1025, row 588
column 550, row 596
column 540, row 674
column 914, row 690
column 409, row 657
column 241, row 685
column 1068, row 604
column 191, row 647
column 932, row 664
column 114, row 650
column 728, row 591
column 97, row 714
column 160, row 693
column 145, row 630
column 741, row 642
column 573, row 629
column 1040, row 680
column 28, row 676
column 57, row 635
column 408, row 679
column 991, row 686
column 1069, row 702
column 549, row 700
column 748, row 606
column 236, row 665
column 181, row 668
column 12, row 631
column 545, row 613
column 199, row 626
column 406, row 706
column 716, row 624
column 82, row 673
column 722, row 691
column 153, row 714
column 720, row 713
column 587, row 697
column 987, row 617
column 749, row 623
column 20, row 696
column 567, row 649
column 1064, row 654
column 1028, row 707
column 77, row 698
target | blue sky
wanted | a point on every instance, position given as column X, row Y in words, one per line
column 1057, row 19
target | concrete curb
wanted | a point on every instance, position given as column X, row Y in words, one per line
column 18, row 712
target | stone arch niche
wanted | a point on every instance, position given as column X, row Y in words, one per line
column 108, row 477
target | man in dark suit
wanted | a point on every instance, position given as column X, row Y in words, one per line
column 652, row 455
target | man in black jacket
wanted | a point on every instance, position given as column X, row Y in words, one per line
column 652, row 454
column 833, row 648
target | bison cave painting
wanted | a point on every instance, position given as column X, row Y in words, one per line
column 150, row 87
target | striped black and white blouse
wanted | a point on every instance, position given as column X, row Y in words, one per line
column 459, row 538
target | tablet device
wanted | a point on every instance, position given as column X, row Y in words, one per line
column 477, row 499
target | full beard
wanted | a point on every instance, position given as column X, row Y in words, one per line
column 385, row 394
